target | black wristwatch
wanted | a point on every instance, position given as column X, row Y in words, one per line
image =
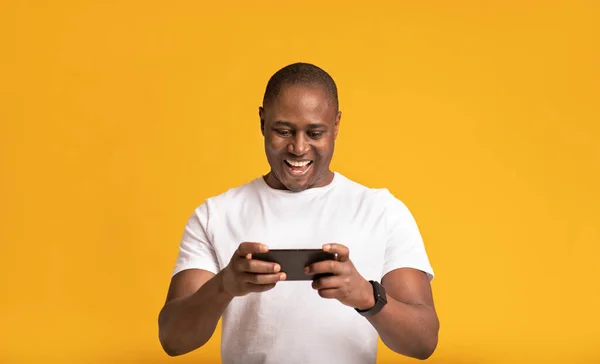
column 380, row 300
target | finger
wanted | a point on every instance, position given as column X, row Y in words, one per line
column 326, row 266
column 328, row 293
column 246, row 248
column 343, row 253
column 328, row 282
column 260, row 287
column 257, row 266
column 261, row 279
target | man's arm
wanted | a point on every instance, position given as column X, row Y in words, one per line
column 408, row 323
column 195, row 302
column 197, row 298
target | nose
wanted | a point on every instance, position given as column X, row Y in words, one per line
column 299, row 145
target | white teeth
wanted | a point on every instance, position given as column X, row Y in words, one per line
column 297, row 164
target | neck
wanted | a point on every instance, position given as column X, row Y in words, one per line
column 275, row 183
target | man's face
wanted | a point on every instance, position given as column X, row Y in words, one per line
column 300, row 127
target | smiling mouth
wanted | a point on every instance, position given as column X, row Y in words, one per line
column 297, row 168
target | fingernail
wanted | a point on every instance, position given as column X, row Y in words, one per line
column 326, row 247
column 276, row 268
column 282, row 277
column 306, row 270
column 264, row 248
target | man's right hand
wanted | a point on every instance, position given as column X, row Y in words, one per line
column 244, row 274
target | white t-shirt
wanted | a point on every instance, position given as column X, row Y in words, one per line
column 291, row 323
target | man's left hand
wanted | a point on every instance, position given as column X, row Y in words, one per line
column 346, row 284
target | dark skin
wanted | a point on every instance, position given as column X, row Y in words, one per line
column 407, row 324
column 300, row 125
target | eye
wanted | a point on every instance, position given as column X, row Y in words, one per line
column 283, row 133
column 315, row 134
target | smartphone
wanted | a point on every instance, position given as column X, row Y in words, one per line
column 293, row 261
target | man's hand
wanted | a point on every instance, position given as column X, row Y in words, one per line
column 244, row 274
column 346, row 284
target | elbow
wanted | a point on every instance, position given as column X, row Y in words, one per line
column 176, row 349
column 173, row 344
column 429, row 342
column 170, row 351
column 421, row 347
column 427, row 349
column 170, row 347
column 176, row 339
column 168, row 341
column 167, row 345
column 421, row 350
column 425, row 353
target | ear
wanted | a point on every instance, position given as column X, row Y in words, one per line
column 261, row 115
column 336, row 126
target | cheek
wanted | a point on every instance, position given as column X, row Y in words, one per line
column 275, row 145
column 270, row 141
column 324, row 150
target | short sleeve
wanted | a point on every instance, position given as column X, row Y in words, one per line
column 195, row 249
column 405, row 247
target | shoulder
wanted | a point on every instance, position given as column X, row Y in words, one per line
column 238, row 193
column 231, row 197
column 379, row 199
column 379, row 195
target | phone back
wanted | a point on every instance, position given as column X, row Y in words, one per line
column 293, row 261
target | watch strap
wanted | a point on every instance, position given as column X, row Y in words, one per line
column 380, row 300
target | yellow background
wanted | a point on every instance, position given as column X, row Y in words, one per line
column 118, row 118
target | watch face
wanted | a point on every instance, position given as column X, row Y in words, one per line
column 380, row 300
column 379, row 292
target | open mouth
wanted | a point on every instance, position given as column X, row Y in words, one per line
column 297, row 168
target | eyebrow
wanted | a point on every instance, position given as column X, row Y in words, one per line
column 291, row 125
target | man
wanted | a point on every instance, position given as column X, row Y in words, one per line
column 380, row 285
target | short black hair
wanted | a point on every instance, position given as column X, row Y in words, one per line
column 301, row 73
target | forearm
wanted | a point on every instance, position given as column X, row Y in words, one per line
column 410, row 330
column 187, row 323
